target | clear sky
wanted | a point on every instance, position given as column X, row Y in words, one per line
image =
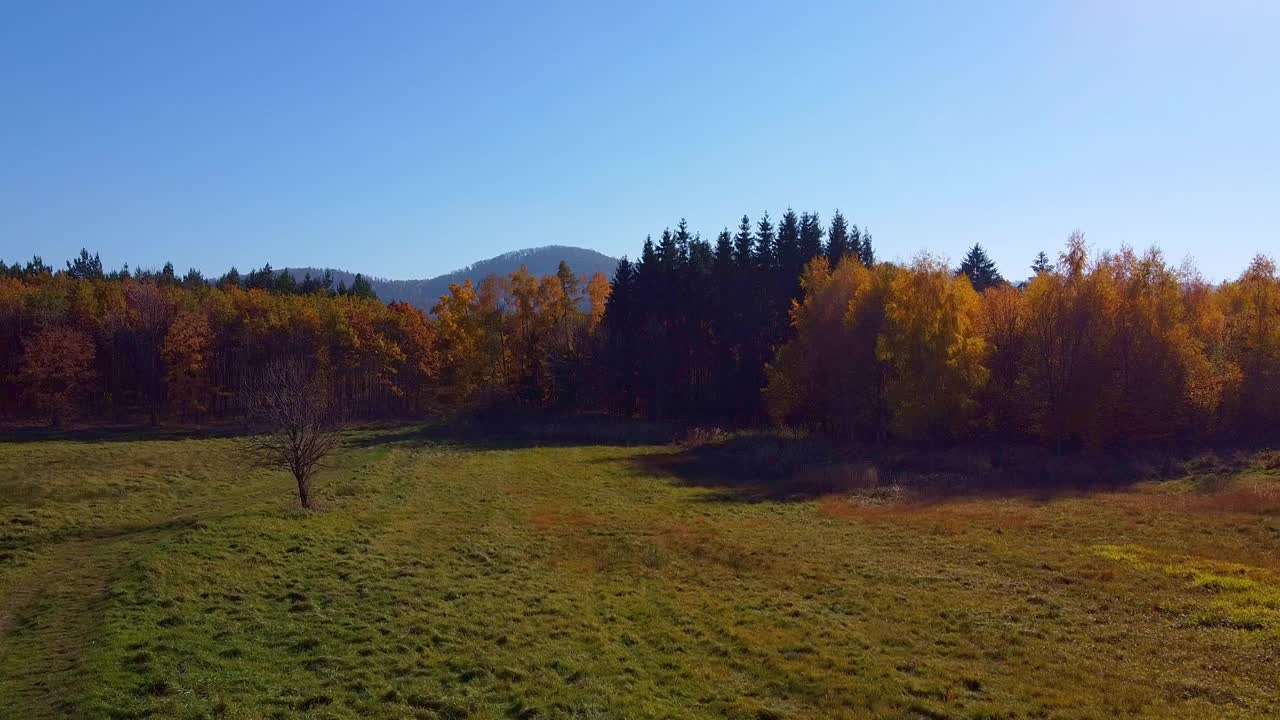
column 408, row 139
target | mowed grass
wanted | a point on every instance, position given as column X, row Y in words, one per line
column 161, row 578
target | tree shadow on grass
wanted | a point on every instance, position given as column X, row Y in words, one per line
column 757, row 467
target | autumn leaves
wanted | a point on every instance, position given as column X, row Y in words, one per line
column 1118, row 350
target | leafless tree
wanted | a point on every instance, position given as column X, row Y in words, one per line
column 292, row 414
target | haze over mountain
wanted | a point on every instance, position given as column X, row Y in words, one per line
column 424, row 293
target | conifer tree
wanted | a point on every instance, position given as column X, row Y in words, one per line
column 980, row 268
column 766, row 244
column 789, row 260
column 361, row 288
column 811, row 233
column 85, row 267
column 837, row 240
column 743, row 244
column 865, row 252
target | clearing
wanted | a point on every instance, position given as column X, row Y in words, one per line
column 158, row 578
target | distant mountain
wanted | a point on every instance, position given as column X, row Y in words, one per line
column 425, row 293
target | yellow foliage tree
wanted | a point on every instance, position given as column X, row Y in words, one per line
column 934, row 351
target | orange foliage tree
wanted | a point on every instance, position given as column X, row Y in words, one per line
column 56, row 369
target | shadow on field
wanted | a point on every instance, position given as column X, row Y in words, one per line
column 757, row 467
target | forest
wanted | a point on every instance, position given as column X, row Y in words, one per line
column 795, row 323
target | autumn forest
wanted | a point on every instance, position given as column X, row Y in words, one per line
column 792, row 322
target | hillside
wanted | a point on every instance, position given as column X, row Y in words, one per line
column 425, row 292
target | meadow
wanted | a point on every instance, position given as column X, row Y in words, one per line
column 160, row 577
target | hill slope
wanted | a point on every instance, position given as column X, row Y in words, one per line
column 424, row 293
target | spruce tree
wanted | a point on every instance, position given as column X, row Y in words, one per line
column 980, row 268
column 865, row 252
column 811, row 233
column 1041, row 264
column 789, row 260
column 724, row 249
column 742, row 243
column 766, row 244
column 837, row 239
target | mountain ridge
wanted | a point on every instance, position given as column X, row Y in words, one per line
column 425, row 292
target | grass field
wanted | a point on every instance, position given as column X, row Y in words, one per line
column 159, row 578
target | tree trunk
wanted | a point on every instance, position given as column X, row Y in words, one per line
column 304, row 495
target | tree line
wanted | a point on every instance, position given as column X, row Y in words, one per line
column 794, row 322
column 81, row 342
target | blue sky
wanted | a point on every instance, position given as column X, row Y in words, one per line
column 408, row 139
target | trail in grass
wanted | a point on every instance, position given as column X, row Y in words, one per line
column 68, row 543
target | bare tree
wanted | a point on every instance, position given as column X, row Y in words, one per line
column 292, row 413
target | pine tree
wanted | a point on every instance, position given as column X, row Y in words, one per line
column 193, row 279
column 285, row 283
column 1041, row 264
column 980, row 268
column 837, row 240
column 85, row 267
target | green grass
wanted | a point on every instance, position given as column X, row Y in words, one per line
column 160, row 578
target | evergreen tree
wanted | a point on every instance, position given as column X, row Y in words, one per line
column 193, row 279
column 285, row 283
column 668, row 255
column 309, row 285
column 766, row 244
column 789, row 260
column 264, row 279
column 618, row 309
column 230, row 279
column 743, row 243
column 85, row 267
column 811, row 233
column 683, row 241
column 837, row 240
column 980, row 268
column 361, row 288
column 724, row 253
column 36, row 266
column 167, row 276
column 621, row 328
column 865, row 252
column 1041, row 264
